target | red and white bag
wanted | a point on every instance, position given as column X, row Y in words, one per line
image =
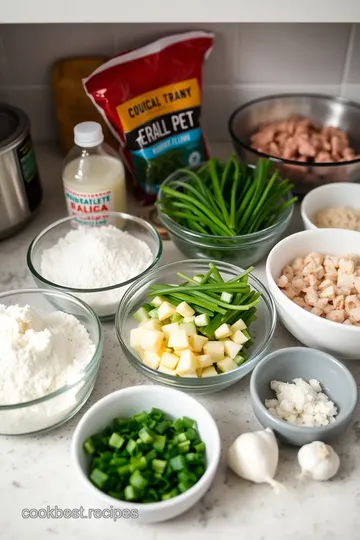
column 151, row 100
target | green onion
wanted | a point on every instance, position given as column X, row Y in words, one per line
column 146, row 458
column 227, row 200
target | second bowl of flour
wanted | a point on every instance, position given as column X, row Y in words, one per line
column 96, row 264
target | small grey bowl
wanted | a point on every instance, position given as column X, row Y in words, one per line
column 288, row 364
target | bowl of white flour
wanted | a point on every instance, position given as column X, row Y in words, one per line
column 49, row 359
column 95, row 262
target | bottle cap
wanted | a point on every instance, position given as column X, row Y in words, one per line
column 88, row 134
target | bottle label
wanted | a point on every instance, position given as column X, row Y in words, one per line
column 91, row 208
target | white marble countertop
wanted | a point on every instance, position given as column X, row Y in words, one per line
column 36, row 471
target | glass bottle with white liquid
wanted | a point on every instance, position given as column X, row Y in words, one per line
column 93, row 177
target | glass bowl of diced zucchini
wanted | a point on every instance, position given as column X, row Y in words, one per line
column 196, row 325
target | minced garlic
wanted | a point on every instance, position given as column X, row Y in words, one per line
column 301, row 403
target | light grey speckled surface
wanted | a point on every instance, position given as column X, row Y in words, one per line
column 36, row 471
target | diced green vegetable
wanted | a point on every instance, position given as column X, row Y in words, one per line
column 98, row 478
column 176, row 318
column 89, row 446
column 141, row 315
column 146, row 458
column 116, row 441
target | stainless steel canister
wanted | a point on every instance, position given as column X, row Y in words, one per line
column 20, row 187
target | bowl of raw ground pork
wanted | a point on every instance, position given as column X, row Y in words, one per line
column 329, row 333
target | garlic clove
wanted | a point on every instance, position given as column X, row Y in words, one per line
column 254, row 457
column 318, row 461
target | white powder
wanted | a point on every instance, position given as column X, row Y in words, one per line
column 92, row 258
column 40, row 353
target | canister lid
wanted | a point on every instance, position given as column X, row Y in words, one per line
column 13, row 125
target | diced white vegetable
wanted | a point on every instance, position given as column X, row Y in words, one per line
column 216, row 349
column 151, row 340
column 197, row 342
column 178, row 339
column 135, row 337
column 178, row 352
column 153, row 324
column 239, row 338
column 189, row 319
column 152, row 359
column 227, row 364
column 139, row 351
column 189, row 328
column 239, row 325
column 164, row 369
column 190, row 374
column 204, row 360
column 168, row 329
column 226, row 297
column 199, row 372
column 166, row 310
column 202, row 320
column 141, row 315
column 231, row 349
column 223, row 331
column 185, row 310
column 209, row 372
column 157, row 301
column 187, row 363
column 169, row 360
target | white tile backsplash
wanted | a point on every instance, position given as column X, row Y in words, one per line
column 353, row 75
column 248, row 61
column 37, row 102
column 30, row 50
column 291, row 53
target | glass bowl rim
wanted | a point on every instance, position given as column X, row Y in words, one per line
column 128, row 217
column 246, row 146
column 89, row 367
column 200, row 238
column 221, row 377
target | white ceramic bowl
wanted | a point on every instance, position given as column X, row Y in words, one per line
column 340, row 340
column 328, row 196
column 127, row 402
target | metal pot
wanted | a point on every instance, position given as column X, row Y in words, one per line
column 20, row 187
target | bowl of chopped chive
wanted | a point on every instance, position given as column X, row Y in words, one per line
column 229, row 211
column 196, row 325
column 149, row 452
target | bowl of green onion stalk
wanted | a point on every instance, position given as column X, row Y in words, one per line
column 196, row 325
column 229, row 211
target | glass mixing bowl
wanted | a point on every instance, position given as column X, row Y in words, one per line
column 262, row 330
column 244, row 250
column 103, row 300
column 58, row 407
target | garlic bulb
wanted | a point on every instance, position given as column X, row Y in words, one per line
column 254, row 456
column 318, row 461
